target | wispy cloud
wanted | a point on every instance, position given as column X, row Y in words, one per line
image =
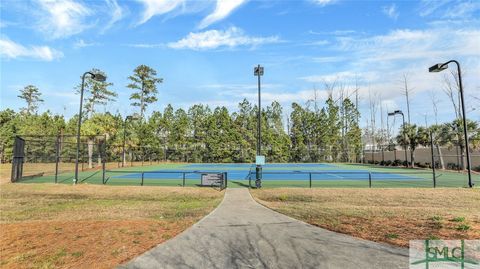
column 449, row 8
column 212, row 39
column 82, row 44
column 62, row 18
column 323, row 3
column 391, row 11
column 404, row 51
column 11, row 50
column 349, row 76
column 427, row 7
column 117, row 13
column 156, row 7
column 329, row 59
column 146, row 45
column 222, row 10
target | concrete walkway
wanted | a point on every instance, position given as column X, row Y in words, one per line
column 241, row 233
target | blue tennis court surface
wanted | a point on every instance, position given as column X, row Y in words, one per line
column 270, row 172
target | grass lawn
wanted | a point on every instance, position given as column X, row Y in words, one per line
column 92, row 226
column 393, row 216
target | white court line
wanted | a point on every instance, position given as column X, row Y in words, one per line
column 336, row 176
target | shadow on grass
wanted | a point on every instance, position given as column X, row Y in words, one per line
column 239, row 183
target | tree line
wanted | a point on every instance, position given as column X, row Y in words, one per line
column 312, row 132
column 198, row 134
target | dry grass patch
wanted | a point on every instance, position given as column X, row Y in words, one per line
column 61, row 226
column 394, row 216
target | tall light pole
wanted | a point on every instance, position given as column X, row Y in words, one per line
column 439, row 68
column 258, row 71
column 399, row 112
column 98, row 77
column 128, row 118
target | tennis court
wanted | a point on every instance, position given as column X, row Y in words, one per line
column 274, row 175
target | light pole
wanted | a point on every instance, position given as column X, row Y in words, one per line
column 439, row 68
column 100, row 78
column 124, row 137
column 399, row 112
column 258, row 71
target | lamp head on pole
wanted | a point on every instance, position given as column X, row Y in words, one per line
column 437, row 68
column 258, row 70
column 398, row 112
column 99, row 77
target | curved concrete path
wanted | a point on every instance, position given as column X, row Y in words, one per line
column 240, row 233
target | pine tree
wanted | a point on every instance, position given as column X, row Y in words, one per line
column 144, row 83
column 31, row 95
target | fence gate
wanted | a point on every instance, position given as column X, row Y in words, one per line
column 18, row 157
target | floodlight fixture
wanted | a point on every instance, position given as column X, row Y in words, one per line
column 99, row 77
column 437, row 68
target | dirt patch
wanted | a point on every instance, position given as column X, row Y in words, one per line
column 81, row 244
column 393, row 216
column 61, row 226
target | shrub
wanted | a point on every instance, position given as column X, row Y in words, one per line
column 453, row 166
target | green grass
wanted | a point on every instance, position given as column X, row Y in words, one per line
column 444, row 178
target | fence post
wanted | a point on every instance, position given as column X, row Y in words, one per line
column 369, row 179
column 249, row 179
column 433, row 161
column 310, row 174
column 142, row 178
column 183, row 184
column 57, row 157
column 103, row 172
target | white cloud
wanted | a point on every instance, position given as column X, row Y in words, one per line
column 116, row 13
column 449, row 8
column 391, row 11
column 222, row 10
column 349, row 76
column 329, row 59
column 12, row 50
column 463, row 10
column 82, row 44
column 323, row 3
column 158, row 7
column 213, row 39
column 62, row 18
column 407, row 45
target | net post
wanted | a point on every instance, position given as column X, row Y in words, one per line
column 57, row 157
column 142, row 178
column 226, row 180
column 369, row 179
column 310, row 179
column 433, row 162
column 183, row 182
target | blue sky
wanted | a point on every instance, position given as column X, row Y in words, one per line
column 206, row 50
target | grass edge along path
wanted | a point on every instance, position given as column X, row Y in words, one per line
column 86, row 226
column 393, row 216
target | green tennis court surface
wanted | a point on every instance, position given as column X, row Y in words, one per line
column 274, row 175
